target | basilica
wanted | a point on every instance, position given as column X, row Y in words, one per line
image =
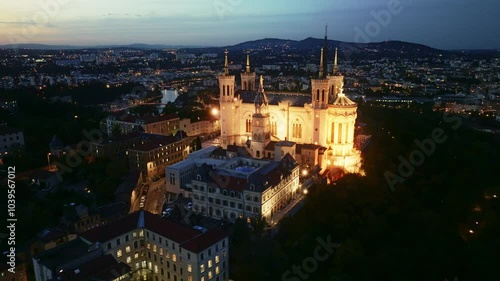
column 325, row 118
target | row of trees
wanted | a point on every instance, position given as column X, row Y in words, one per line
column 439, row 223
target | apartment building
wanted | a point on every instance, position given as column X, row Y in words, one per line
column 165, row 124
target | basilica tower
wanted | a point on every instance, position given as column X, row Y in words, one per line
column 320, row 96
column 248, row 77
column 261, row 127
column 340, row 127
column 227, row 105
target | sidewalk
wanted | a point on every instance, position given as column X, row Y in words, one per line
column 289, row 209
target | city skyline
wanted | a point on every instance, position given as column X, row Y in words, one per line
column 443, row 25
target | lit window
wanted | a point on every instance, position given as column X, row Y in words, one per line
column 154, row 248
column 217, row 259
column 174, row 257
column 141, row 233
column 119, row 253
column 136, row 255
column 129, row 259
column 161, row 251
column 189, row 268
column 217, row 270
column 202, row 268
column 210, row 275
column 127, row 249
column 209, row 263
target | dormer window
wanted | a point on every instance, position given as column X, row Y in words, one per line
column 198, row 177
column 252, row 187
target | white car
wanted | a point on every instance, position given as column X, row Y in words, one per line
column 141, row 205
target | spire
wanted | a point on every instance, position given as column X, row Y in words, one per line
column 335, row 61
column 260, row 101
column 248, row 62
column 321, row 67
column 226, row 65
column 324, row 62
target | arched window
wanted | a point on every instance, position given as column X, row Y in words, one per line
column 248, row 126
column 333, row 132
column 317, row 95
column 245, row 85
column 323, row 95
column 257, row 154
column 346, row 135
column 274, row 128
column 228, row 92
column 223, row 90
column 340, row 133
column 297, row 130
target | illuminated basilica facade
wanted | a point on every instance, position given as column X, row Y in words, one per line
column 325, row 117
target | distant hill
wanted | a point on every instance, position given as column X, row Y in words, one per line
column 316, row 44
column 308, row 46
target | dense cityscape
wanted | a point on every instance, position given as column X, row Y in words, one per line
column 269, row 159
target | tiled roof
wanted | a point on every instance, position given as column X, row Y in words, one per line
column 295, row 99
column 203, row 241
column 111, row 230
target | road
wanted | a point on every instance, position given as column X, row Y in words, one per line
column 154, row 192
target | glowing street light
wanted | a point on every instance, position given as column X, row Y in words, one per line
column 215, row 111
column 304, row 172
column 306, row 191
column 48, row 159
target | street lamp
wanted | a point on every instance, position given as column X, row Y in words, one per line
column 48, row 159
column 215, row 111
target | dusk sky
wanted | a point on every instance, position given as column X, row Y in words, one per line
column 444, row 24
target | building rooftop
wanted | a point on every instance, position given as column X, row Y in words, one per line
column 295, row 99
column 59, row 255
column 124, row 117
column 154, row 143
column 7, row 130
column 188, row 238
column 105, row 268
